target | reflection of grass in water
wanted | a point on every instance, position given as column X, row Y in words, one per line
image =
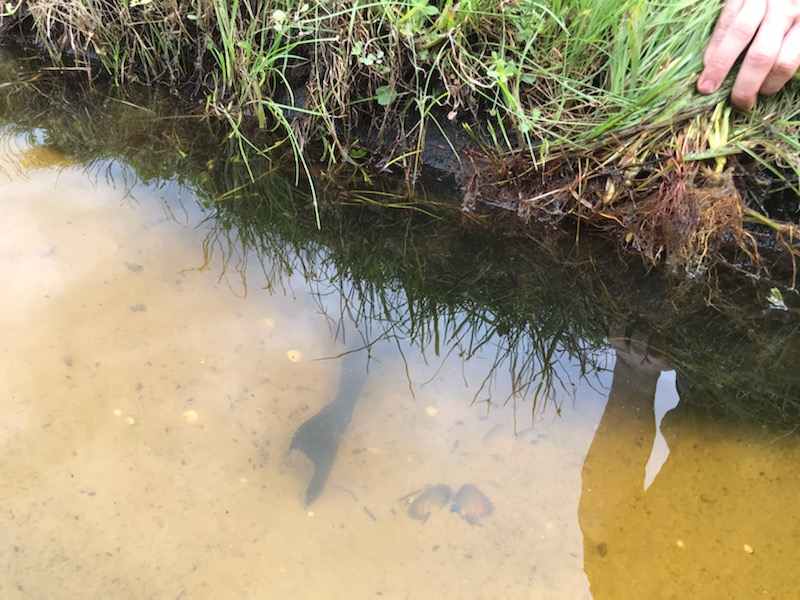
column 410, row 277
column 445, row 286
column 741, row 355
column 459, row 323
column 454, row 290
column 93, row 125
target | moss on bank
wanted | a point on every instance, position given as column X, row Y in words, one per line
column 581, row 111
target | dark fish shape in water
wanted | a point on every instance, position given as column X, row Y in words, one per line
column 472, row 504
column 432, row 498
column 319, row 437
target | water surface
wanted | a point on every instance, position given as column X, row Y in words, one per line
column 149, row 398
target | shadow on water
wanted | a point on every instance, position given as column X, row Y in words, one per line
column 424, row 277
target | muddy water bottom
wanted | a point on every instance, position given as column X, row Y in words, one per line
column 149, row 400
column 148, row 407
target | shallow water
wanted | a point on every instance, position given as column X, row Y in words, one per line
column 149, row 400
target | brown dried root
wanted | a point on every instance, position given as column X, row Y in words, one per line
column 689, row 219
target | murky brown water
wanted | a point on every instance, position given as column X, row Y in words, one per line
column 148, row 404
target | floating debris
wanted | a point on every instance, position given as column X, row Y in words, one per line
column 472, row 504
column 294, row 355
column 775, row 300
column 432, row 498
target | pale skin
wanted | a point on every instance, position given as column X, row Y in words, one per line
column 767, row 32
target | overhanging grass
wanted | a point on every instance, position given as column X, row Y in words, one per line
column 550, row 76
column 599, row 93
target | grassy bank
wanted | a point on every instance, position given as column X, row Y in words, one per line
column 580, row 110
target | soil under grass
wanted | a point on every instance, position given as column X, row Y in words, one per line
column 579, row 112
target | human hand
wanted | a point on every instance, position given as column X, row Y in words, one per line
column 772, row 30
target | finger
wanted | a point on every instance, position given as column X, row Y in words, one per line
column 724, row 21
column 735, row 39
column 760, row 59
column 787, row 63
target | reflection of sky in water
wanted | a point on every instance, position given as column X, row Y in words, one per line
column 150, row 404
column 666, row 399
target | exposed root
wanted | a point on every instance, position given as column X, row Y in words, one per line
column 689, row 220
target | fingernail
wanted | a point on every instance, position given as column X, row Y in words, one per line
column 706, row 85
